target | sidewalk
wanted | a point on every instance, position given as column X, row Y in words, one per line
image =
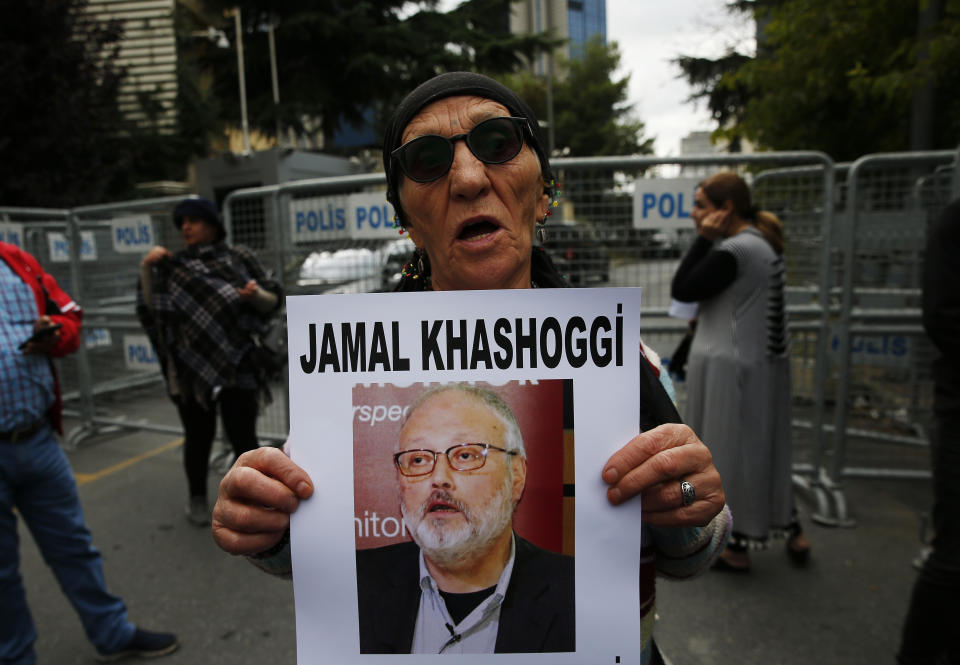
column 846, row 607
column 172, row 575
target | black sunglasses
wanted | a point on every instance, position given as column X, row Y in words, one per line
column 494, row 141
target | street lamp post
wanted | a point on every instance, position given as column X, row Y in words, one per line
column 235, row 12
column 273, row 76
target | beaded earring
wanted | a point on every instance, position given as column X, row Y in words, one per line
column 414, row 269
column 554, row 190
column 397, row 225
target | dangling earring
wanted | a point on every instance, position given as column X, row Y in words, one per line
column 414, row 269
column 540, row 225
column 541, row 231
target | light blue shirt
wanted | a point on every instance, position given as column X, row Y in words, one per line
column 26, row 382
column 435, row 631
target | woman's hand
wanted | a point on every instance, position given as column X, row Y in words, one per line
column 155, row 255
column 249, row 290
column 653, row 464
column 255, row 501
column 714, row 224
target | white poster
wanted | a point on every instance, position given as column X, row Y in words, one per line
column 564, row 363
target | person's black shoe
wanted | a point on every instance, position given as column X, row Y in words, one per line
column 798, row 549
column 143, row 644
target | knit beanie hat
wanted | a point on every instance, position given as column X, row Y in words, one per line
column 203, row 209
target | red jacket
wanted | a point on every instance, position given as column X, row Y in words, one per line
column 54, row 302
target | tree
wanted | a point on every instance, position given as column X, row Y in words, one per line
column 337, row 60
column 726, row 99
column 591, row 113
column 837, row 75
column 591, row 118
column 62, row 136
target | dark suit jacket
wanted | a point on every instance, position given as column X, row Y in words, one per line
column 537, row 614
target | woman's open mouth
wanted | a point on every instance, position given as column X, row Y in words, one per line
column 477, row 230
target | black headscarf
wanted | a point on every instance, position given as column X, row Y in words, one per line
column 446, row 85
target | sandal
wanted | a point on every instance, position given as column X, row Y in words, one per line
column 732, row 561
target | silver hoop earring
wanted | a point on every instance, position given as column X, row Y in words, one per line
column 420, row 264
column 541, row 232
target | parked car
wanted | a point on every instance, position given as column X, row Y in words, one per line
column 578, row 252
column 355, row 269
column 664, row 243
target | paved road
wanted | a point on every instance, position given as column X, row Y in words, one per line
column 172, row 575
column 846, row 608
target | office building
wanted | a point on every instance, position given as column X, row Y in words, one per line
column 575, row 20
column 148, row 51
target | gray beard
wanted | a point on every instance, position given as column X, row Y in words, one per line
column 452, row 546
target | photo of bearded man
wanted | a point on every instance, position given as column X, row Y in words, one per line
column 459, row 577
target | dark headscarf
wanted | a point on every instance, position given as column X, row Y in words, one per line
column 453, row 84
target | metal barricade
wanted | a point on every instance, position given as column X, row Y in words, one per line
column 854, row 236
column 881, row 360
column 123, row 361
column 124, row 386
column 94, row 252
column 592, row 240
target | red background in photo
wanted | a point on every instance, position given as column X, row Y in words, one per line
column 377, row 416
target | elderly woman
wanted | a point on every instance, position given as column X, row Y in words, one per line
column 201, row 308
column 470, row 181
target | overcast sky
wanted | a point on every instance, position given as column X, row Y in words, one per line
column 650, row 33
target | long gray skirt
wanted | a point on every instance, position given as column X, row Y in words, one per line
column 742, row 413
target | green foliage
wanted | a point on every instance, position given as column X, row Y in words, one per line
column 836, row 75
column 712, row 80
column 336, row 60
column 591, row 118
column 64, row 139
column 591, row 114
column 60, row 129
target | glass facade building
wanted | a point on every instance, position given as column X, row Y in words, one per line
column 585, row 19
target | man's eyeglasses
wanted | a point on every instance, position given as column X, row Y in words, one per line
column 461, row 457
column 494, row 141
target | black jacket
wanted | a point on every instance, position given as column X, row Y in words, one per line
column 537, row 615
column 941, row 307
